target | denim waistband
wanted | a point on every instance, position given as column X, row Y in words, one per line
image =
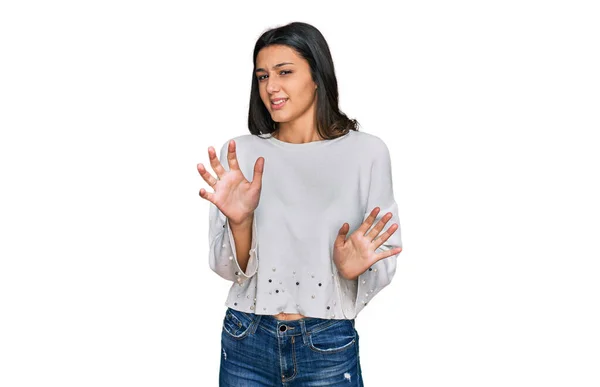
column 290, row 327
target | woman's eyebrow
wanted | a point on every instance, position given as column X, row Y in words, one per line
column 274, row 67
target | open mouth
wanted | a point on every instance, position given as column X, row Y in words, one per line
column 278, row 104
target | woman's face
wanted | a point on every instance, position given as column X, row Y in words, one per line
column 283, row 74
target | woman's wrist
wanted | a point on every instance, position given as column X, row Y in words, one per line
column 242, row 224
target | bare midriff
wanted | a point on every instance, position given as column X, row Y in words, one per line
column 288, row 316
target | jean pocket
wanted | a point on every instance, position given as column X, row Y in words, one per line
column 333, row 338
column 236, row 324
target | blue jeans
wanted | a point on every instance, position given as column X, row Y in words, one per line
column 260, row 350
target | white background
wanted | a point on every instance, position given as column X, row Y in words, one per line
column 489, row 110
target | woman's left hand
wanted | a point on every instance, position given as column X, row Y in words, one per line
column 353, row 256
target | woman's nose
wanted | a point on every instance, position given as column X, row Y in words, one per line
column 272, row 85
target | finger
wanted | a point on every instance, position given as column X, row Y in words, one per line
column 232, row 156
column 379, row 226
column 208, row 178
column 341, row 237
column 388, row 253
column 364, row 227
column 385, row 236
column 259, row 168
column 215, row 163
column 204, row 194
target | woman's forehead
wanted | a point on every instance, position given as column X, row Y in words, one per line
column 276, row 54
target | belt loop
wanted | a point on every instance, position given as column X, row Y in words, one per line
column 255, row 322
column 303, row 329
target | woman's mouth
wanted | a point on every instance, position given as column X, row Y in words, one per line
column 278, row 103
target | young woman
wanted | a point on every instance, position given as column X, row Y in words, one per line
column 303, row 242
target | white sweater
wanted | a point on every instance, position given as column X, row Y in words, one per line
column 308, row 192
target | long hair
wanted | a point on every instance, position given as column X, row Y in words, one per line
column 309, row 43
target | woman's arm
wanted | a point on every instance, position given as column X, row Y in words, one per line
column 227, row 238
column 242, row 235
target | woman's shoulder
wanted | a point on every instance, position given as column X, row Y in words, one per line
column 241, row 141
column 369, row 142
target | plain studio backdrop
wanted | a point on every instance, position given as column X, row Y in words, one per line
column 489, row 110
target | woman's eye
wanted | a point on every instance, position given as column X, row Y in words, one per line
column 282, row 72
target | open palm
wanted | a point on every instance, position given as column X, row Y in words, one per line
column 353, row 256
column 236, row 197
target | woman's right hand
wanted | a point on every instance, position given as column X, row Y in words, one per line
column 236, row 197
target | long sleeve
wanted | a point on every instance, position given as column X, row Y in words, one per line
column 223, row 257
column 380, row 274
